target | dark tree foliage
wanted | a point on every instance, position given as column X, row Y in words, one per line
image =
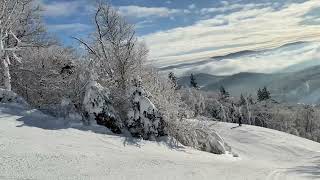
column 173, row 79
column 242, row 100
column 193, row 82
column 224, row 94
column 263, row 94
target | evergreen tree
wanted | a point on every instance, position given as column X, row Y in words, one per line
column 266, row 93
column 263, row 94
column 259, row 95
column 242, row 100
column 223, row 92
column 250, row 99
column 173, row 80
column 193, row 82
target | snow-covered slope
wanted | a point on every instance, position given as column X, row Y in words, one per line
column 35, row 146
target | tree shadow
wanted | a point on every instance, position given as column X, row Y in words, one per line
column 132, row 141
column 35, row 118
column 172, row 143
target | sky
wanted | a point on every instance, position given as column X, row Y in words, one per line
column 184, row 31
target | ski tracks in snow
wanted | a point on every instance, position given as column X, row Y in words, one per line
column 277, row 174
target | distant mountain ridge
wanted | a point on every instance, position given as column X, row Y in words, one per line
column 294, row 87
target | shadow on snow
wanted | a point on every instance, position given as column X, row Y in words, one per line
column 35, row 118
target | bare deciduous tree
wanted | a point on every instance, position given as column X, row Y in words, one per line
column 117, row 54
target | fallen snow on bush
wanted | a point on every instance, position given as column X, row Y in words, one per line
column 197, row 134
column 10, row 97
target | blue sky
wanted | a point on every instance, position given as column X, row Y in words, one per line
column 179, row 31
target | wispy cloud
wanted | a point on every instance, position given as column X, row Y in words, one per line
column 143, row 24
column 57, row 9
column 250, row 27
column 232, row 7
column 142, row 12
column 74, row 27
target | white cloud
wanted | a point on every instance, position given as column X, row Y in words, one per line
column 231, row 7
column 56, row 9
column 267, row 62
column 75, row 27
column 186, row 11
column 192, row 6
column 142, row 12
column 143, row 24
column 250, row 28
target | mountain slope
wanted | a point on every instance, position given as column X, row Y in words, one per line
column 294, row 87
column 31, row 151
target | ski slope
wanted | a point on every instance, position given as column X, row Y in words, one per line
column 36, row 146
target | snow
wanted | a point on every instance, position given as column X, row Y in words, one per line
column 36, row 146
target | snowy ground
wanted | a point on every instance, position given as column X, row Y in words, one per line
column 35, row 146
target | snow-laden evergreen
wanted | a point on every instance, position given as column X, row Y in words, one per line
column 144, row 119
column 98, row 108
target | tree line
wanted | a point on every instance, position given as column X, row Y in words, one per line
column 260, row 110
column 109, row 83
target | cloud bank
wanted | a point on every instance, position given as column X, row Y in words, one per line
column 246, row 27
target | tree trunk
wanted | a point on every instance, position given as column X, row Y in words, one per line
column 6, row 74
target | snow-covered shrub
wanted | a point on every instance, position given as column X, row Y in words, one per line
column 173, row 110
column 144, row 119
column 46, row 76
column 194, row 99
column 198, row 135
column 223, row 109
column 10, row 97
column 97, row 106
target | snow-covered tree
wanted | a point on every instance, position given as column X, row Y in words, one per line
column 144, row 118
column 242, row 100
column 173, row 79
column 97, row 107
column 194, row 99
column 117, row 54
column 18, row 23
column 46, row 75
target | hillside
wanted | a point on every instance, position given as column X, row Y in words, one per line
column 293, row 87
column 36, row 146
